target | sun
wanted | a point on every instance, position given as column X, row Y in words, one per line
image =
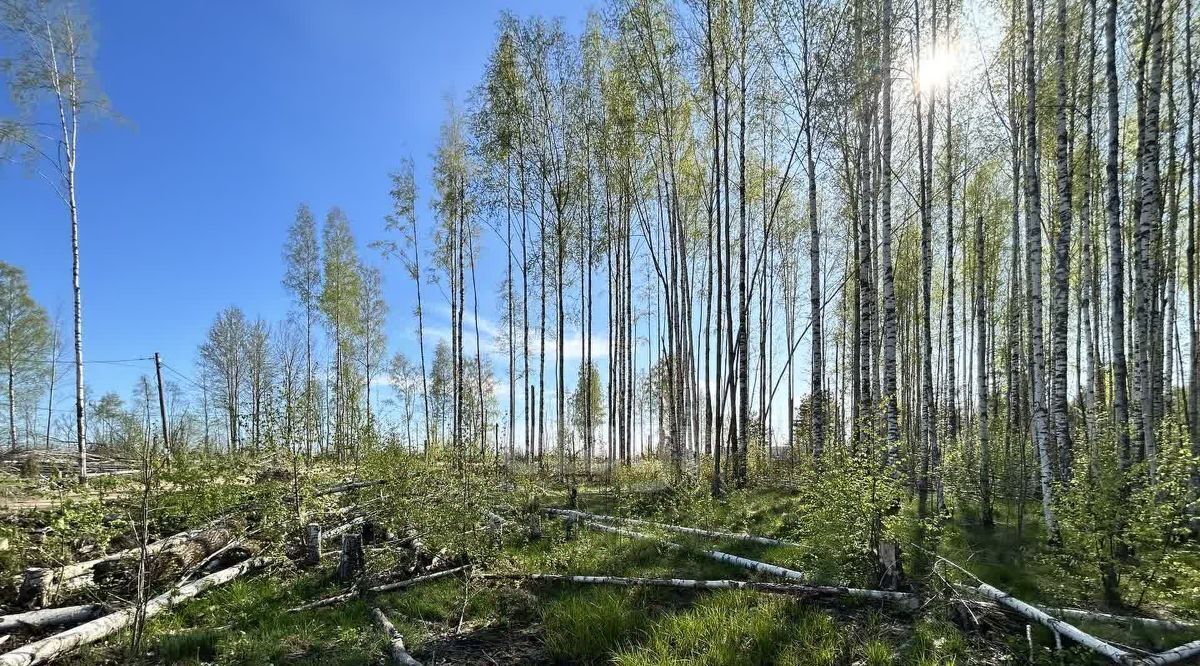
column 937, row 69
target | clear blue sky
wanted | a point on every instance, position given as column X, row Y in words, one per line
column 232, row 114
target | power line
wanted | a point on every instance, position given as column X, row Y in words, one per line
column 116, row 361
column 183, row 376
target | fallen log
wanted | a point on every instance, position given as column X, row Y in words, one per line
column 170, row 561
column 712, row 534
column 904, row 599
column 48, row 649
column 760, row 567
column 345, row 487
column 40, row 585
column 1097, row 616
column 396, row 651
column 50, row 617
column 1061, row 627
column 389, row 587
column 1174, row 655
column 735, row 560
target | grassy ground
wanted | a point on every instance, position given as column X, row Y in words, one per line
column 506, row 622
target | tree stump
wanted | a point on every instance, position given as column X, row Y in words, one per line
column 37, row 588
column 353, row 560
column 312, row 544
column 373, row 532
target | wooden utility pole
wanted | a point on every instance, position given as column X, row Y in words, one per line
column 162, row 405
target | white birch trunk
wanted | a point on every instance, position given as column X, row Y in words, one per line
column 902, row 598
column 50, row 617
column 738, row 536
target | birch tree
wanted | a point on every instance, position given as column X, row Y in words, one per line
column 50, row 60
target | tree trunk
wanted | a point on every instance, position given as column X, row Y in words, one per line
column 1062, row 257
column 1116, row 252
column 1033, row 240
column 981, row 388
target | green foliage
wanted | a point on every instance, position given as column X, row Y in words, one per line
column 25, row 343
column 1132, row 527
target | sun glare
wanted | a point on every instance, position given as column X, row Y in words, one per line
column 937, row 69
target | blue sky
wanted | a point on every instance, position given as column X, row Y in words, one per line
column 231, row 114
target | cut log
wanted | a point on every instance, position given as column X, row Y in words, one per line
column 1174, row 655
column 232, row 552
column 168, row 562
column 399, row 656
column 48, row 649
column 389, row 587
column 344, row 487
column 50, row 617
column 40, row 586
column 904, row 599
column 695, row 531
column 1056, row 625
column 353, row 561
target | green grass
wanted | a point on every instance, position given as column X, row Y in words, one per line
column 591, row 624
column 728, row 628
column 246, row 621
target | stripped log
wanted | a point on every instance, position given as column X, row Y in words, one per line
column 48, row 649
column 712, row 534
column 1056, row 625
column 50, row 617
column 41, row 585
column 735, row 560
column 396, row 651
column 344, row 487
column 1096, row 616
column 1174, row 655
column 389, row 587
column 904, row 599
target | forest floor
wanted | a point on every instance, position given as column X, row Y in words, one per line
column 456, row 620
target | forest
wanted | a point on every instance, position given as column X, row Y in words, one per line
column 826, row 332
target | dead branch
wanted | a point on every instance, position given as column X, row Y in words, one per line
column 389, row 587
column 396, row 651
